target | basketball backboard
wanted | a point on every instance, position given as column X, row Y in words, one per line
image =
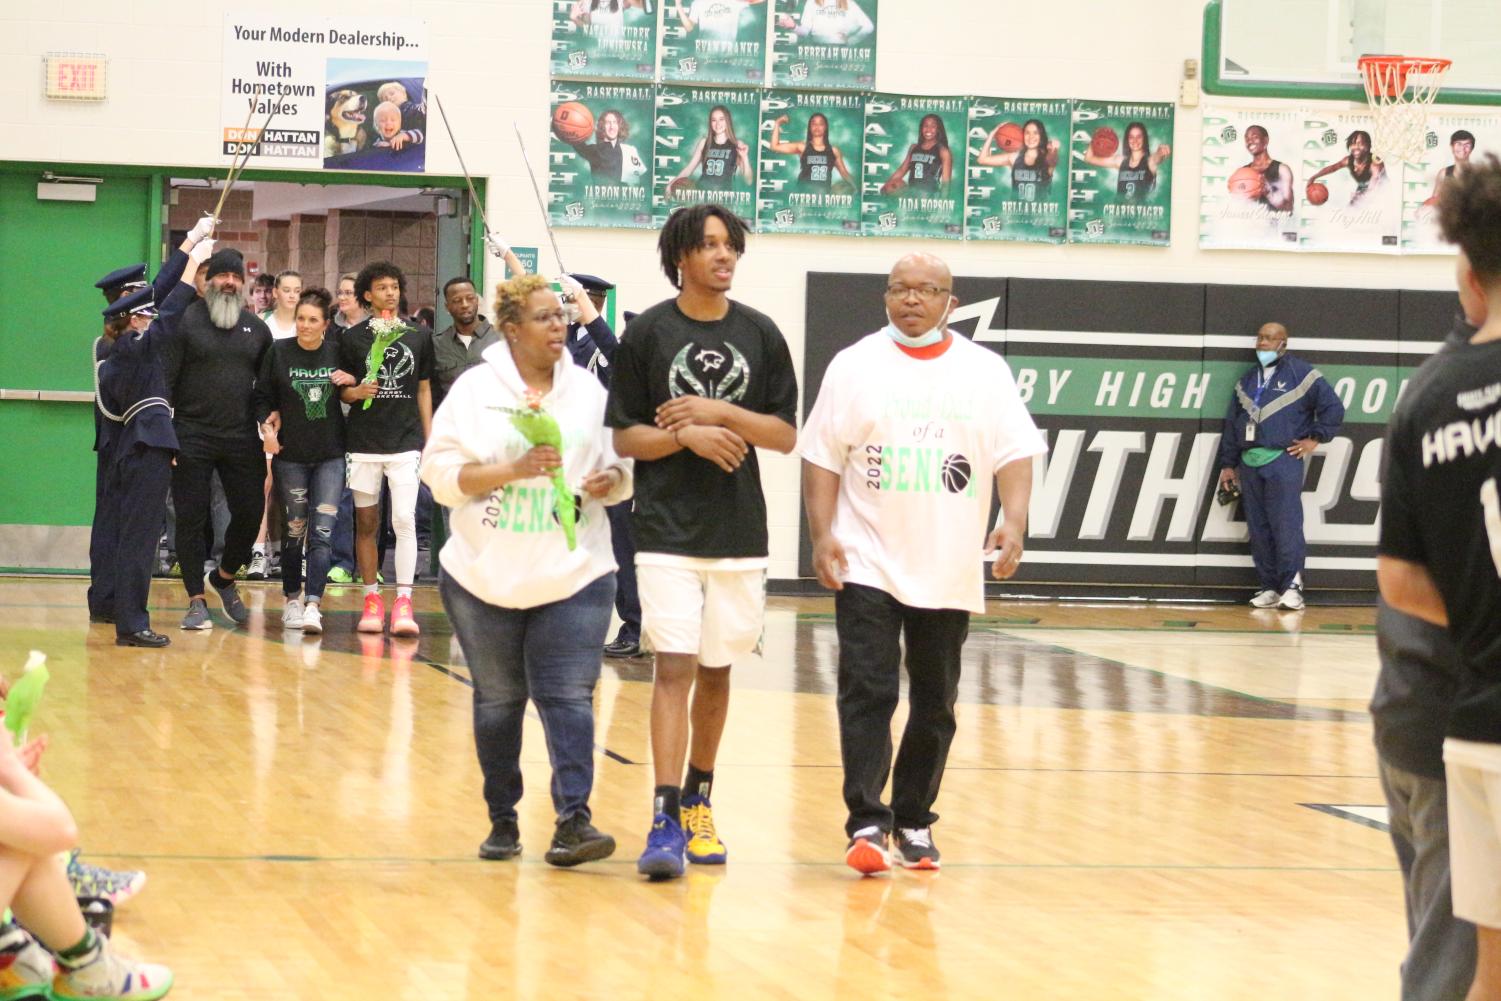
column 1307, row 49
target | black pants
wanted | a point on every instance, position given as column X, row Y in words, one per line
column 101, row 542
column 244, row 477
column 871, row 624
column 627, row 598
column 135, row 498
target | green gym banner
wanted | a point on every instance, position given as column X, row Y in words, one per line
column 705, row 149
column 597, row 170
column 1016, row 184
column 913, row 184
column 824, row 43
column 1351, row 200
column 614, row 39
column 1121, row 180
column 810, row 162
column 714, row 41
column 1248, row 191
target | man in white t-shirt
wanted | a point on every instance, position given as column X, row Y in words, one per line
column 910, row 425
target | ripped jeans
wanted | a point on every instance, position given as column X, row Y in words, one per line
column 309, row 495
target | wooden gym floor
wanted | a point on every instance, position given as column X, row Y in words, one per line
column 1143, row 802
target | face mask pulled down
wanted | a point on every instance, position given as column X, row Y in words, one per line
column 928, row 339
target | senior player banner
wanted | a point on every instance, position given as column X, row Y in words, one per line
column 1121, row 179
column 714, row 41
column 810, row 162
column 1017, row 175
column 1249, row 191
column 614, row 39
column 1130, row 382
column 824, row 43
column 912, row 175
column 1351, row 200
column 598, row 163
column 705, row 149
column 1451, row 141
column 341, row 92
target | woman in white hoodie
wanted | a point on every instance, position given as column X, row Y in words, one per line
column 530, row 613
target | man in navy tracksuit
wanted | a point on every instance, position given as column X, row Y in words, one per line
column 1281, row 410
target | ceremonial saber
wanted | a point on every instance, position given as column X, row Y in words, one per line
column 473, row 195
column 541, row 206
column 236, row 169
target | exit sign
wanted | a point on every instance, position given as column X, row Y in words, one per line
column 74, row 76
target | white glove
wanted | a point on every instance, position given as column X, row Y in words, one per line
column 570, row 311
column 496, row 245
column 202, row 251
column 202, row 229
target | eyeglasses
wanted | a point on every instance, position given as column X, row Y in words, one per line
column 344, row 293
column 554, row 315
column 927, row 293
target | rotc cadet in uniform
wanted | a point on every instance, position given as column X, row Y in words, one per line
column 592, row 344
column 132, row 397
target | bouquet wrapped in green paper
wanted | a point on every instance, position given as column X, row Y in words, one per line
column 25, row 695
column 388, row 329
column 539, row 427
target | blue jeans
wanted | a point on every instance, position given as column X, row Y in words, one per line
column 550, row 654
column 343, row 540
column 309, row 495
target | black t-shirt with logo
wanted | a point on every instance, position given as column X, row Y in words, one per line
column 1440, row 508
column 687, row 505
column 297, row 383
column 393, row 423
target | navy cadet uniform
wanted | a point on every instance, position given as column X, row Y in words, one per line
column 117, row 283
column 593, row 346
column 1271, row 408
column 133, row 397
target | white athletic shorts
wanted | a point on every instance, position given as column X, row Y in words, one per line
column 689, row 606
column 1473, row 773
column 363, row 472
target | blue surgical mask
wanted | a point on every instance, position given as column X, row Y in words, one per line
column 1266, row 358
column 928, row 339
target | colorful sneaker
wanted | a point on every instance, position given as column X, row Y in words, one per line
column 373, row 620
column 312, row 619
column 663, row 857
column 576, row 841
column 229, row 597
column 260, row 565
column 867, row 853
column 102, row 974
column 197, row 617
column 916, row 848
column 403, row 622
column 96, row 881
column 292, row 614
column 704, row 846
column 338, row 575
column 25, row 967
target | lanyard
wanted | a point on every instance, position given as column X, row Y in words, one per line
column 1262, row 379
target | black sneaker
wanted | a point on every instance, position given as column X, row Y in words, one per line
column 623, row 648
column 504, row 842
column 577, row 841
column 916, row 848
column 229, row 597
column 145, row 638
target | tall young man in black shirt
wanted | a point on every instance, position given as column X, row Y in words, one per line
column 1440, row 553
column 700, row 381
column 210, row 369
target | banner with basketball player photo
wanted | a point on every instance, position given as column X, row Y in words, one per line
column 811, row 149
column 1248, row 190
column 1451, row 141
column 1016, row 186
column 312, row 91
column 1351, row 201
column 1121, row 178
column 599, row 154
column 714, row 41
column 610, row 39
column 823, row 43
column 912, row 180
column 705, row 149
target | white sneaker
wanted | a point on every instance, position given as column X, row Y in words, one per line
column 1291, row 600
column 312, row 619
column 293, row 616
column 260, row 565
column 1264, row 599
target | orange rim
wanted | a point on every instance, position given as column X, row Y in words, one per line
column 1388, row 74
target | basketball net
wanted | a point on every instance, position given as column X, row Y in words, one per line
column 1400, row 90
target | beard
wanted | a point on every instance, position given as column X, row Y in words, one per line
column 223, row 307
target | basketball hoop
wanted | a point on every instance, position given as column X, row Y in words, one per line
column 1400, row 90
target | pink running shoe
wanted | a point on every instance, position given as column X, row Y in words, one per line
column 403, row 622
column 374, row 618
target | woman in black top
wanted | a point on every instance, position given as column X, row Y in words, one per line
column 929, row 164
column 1137, row 164
column 298, row 406
column 718, row 156
column 1031, row 166
column 817, row 157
